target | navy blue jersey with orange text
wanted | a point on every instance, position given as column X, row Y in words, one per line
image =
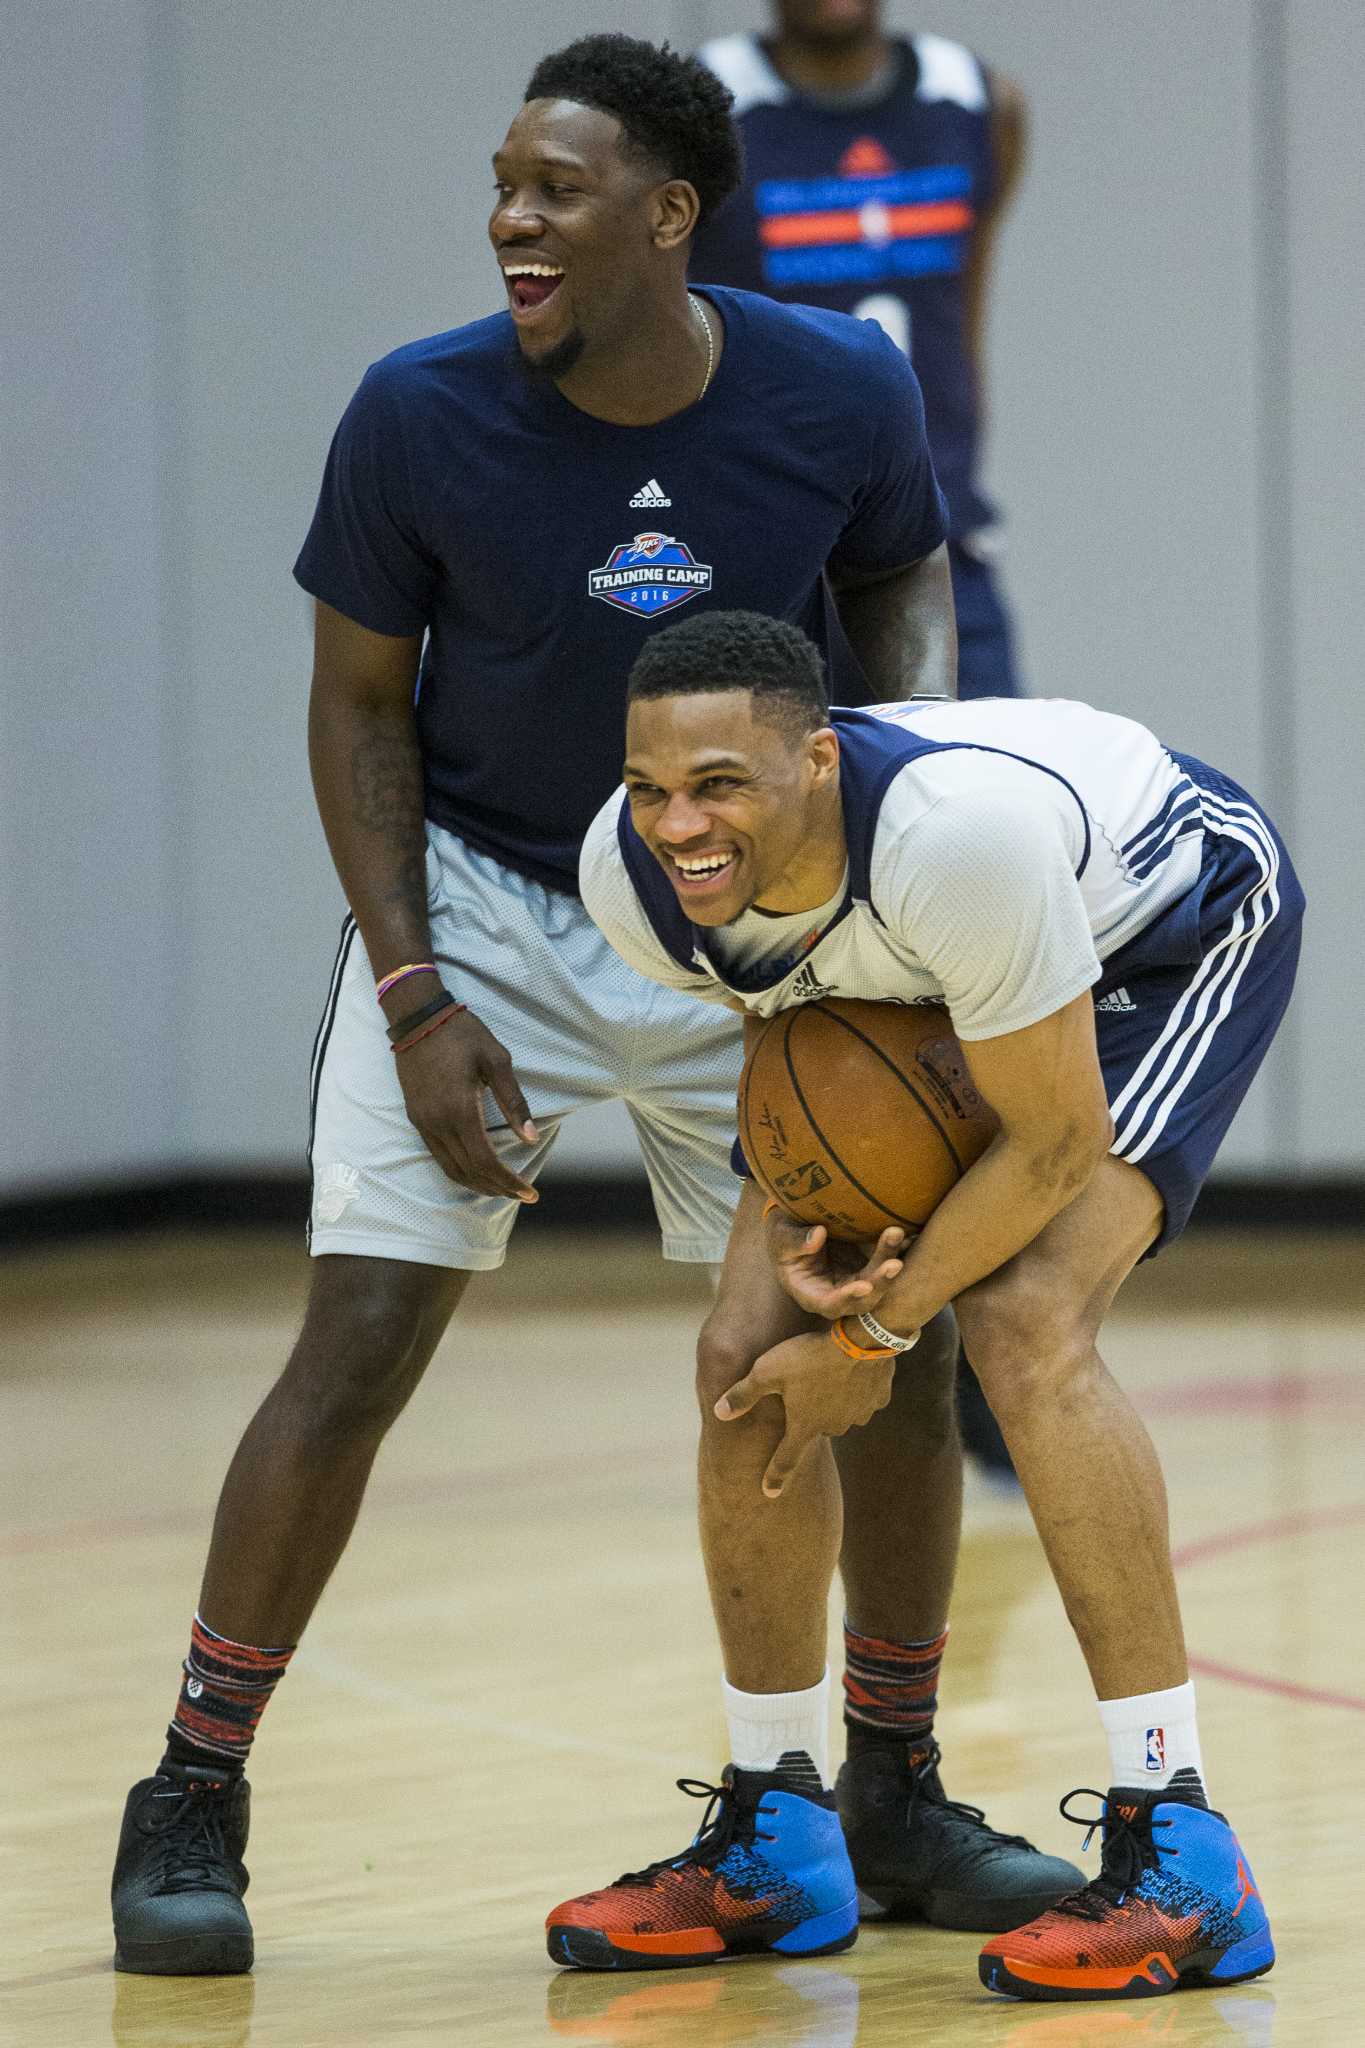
column 868, row 209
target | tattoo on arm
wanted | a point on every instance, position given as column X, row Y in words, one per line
column 386, row 793
column 386, row 786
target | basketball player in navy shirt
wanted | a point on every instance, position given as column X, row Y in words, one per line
column 508, row 512
column 877, row 171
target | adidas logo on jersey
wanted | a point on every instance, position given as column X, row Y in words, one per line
column 808, row 987
column 1116, row 1002
column 650, row 497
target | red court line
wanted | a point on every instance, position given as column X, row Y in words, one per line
column 1286, row 1688
column 1281, row 1395
column 1245, row 1538
column 1267, row 1532
column 97, row 1533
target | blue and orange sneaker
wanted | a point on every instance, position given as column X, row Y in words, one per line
column 768, row 1873
column 1174, row 1905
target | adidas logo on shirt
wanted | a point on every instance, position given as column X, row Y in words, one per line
column 1116, row 1002
column 808, row 986
column 650, row 497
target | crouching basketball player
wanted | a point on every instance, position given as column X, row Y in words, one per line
column 1114, row 929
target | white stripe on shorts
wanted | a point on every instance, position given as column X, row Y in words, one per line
column 1190, row 1029
column 329, row 1008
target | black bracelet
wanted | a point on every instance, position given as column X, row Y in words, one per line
column 416, row 1017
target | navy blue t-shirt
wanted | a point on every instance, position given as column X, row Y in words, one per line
column 537, row 547
column 868, row 209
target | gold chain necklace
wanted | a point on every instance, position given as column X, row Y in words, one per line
column 695, row 304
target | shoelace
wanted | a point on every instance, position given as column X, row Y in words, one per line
column 1129, row 1849
column 925, row 1789
column 720, row 1825
column 191, row 1830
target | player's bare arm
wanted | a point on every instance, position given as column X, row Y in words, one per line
column 902, row 628
column 1046, row 1087
column 367, row 777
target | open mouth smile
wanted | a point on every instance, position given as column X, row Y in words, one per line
column 530, row 287
column 700, row 874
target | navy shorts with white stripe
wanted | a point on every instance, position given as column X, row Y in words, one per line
column 1185, row 1013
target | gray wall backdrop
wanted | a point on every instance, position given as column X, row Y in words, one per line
column 216, row 215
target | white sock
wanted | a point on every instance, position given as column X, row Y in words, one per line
column 1151, row 1737
column 764, row 1725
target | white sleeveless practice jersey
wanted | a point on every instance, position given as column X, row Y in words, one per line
column 998, row 853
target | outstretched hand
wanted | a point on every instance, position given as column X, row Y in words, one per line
column 822, row 1393
column 826, row 1277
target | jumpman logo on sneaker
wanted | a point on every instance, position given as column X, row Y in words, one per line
column 1245, row 1888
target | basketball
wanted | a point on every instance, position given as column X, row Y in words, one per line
column 860, row 1115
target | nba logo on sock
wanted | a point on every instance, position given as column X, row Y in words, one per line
column 1156, row 1749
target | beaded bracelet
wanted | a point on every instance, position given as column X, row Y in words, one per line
column 416, row 1017
column 401, row 974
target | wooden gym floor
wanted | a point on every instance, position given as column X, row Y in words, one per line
column 515, row 1659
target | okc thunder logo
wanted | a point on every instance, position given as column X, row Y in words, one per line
column 650, row 574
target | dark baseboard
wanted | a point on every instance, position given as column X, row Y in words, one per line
column 258, row 1201
column 1251, row 1204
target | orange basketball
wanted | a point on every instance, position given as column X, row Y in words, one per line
column 861, row 1115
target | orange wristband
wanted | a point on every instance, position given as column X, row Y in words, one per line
column 840, row 1337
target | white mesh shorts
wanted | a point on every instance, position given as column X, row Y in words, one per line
column 581, row 1027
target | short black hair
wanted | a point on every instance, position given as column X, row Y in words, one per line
column 737, row 651
column 672, row 109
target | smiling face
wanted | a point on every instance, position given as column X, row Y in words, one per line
column 579, row 226
column 737, row 809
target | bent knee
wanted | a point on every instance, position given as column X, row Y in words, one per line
column 1025, row 1339
column 725, row 1353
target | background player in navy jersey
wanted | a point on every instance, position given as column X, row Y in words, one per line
column 877, row 171
column 508, row 511
column 1114, row 929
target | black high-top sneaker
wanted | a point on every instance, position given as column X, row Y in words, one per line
column 179, row 1876
column 919, row 1855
